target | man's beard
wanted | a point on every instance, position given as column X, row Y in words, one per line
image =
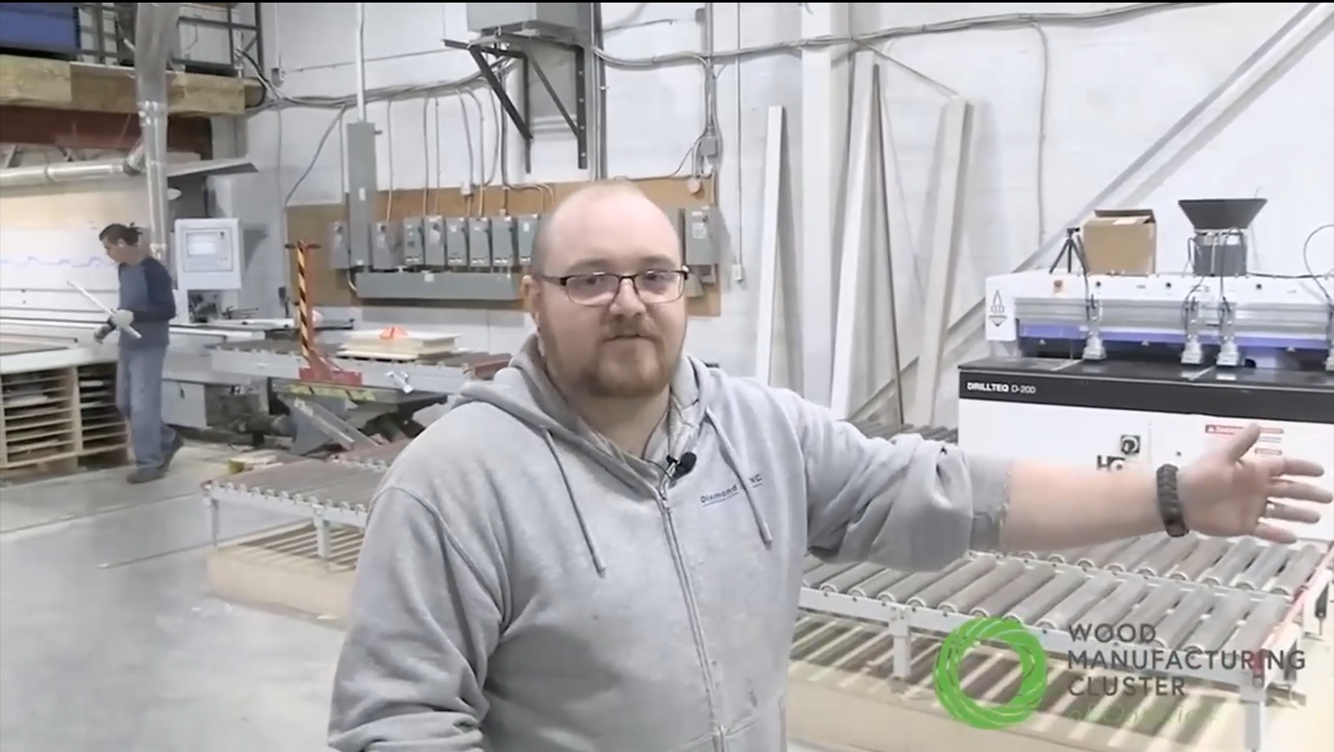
column 630, row 361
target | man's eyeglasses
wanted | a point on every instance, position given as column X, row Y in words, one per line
column 654, row 286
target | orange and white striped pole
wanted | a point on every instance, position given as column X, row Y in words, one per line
column 305, row 324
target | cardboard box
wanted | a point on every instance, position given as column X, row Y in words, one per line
column 1121, row 241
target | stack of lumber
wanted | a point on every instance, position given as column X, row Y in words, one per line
column 398, row 344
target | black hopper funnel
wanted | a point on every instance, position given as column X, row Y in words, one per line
column 1218, row 214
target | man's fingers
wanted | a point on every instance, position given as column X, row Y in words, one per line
column 1298, row 491
column 1239, row 443
column 1265, row 531
column 1301, row 468
column 1277, row 510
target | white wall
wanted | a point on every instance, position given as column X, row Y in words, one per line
column 1111, row 89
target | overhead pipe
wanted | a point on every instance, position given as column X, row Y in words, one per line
column 130, row 165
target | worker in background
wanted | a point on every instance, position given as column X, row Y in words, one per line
column 148, row 305
column 602, row 548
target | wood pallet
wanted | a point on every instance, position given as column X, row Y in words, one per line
column 60, row 419
column 280, row 569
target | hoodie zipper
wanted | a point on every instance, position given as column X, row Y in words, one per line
column 692, row 607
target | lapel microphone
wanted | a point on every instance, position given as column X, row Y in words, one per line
column 681, row 467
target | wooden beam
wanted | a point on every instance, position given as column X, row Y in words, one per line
column 74, row 129
column 35, row 81
column 38, row 82
column 108, row 88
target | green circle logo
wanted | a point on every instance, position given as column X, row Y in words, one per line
column 1032, row 664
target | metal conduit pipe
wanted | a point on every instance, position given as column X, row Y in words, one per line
column 155, row 26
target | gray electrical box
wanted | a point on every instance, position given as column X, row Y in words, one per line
column 525, row 234
column 362, row 193
column 502, row 243
column 338, row 251
column 456, row 242
column 413, row 253
column 382, row 247
column 703, row 237
column 433, row 242
column 556, row 19
column 479, row 242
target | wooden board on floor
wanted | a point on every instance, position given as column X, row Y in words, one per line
column 279, row 569
column 842, row 696
column 330, row 287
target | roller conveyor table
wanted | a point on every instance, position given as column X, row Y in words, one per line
column 1202, row 609
column 326, row 493
column 380, row 457
column 311, row 483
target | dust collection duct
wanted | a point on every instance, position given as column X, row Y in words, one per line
column 155, row 28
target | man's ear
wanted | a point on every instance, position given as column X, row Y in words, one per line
column 530, row 291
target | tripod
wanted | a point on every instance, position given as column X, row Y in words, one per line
column 1072, row 249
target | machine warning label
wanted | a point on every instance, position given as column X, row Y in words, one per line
column 1268, row 434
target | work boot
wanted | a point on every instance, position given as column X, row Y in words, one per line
column 169, row 453
column 145, row 474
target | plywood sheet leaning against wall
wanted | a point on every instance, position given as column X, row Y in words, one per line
column 48, row 236
column 330, row 287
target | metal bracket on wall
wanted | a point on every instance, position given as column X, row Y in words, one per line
column 511, row 47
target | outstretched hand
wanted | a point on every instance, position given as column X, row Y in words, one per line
column 1227, row 493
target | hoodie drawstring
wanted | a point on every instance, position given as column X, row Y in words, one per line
column 729, row 457
column 574, row 503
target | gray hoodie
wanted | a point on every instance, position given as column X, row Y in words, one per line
column 526, row 587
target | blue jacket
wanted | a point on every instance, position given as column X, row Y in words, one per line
column 146, row 289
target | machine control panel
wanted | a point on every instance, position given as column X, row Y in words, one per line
column 208, row 254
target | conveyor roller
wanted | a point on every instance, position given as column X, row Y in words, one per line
column 1298, row 570
column 945, row 586
column 379, row 457
column 1166, row 556
column 1015, row 592
column 1185, row 617
column 311, row 483
column 1118, row 603
column 1079, row 602
column 1228, row 612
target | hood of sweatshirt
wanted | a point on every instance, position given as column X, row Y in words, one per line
column 525, row 392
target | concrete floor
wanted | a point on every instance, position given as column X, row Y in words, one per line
column 109, row 641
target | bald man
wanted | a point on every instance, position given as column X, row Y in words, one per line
column 601, row 550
